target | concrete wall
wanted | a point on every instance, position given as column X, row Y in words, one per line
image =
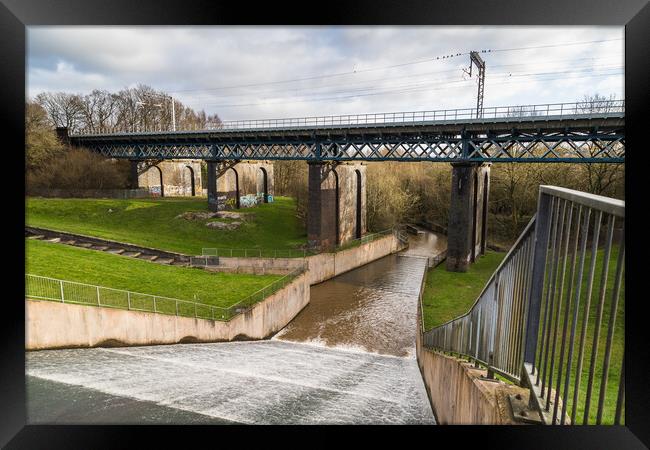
column 324, row 266
column 57, row 325
column 456, row 391
column 177, row 178
column 320, row 267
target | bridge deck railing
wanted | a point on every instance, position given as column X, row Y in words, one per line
column 550, row 317
column 515, row 112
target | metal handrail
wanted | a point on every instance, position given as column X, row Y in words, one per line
column 255, row 252
column 542, row 111
column 513, row 327
column 43, row 288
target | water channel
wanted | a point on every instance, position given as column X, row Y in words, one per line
column 348, row 357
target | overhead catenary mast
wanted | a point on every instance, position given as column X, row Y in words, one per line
column 475, row 59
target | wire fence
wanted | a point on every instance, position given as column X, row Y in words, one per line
column 551, row 317
column 257, row 252
column 45, row 288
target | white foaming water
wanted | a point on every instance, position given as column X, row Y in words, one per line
column 250, row 382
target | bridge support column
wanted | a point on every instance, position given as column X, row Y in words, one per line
column 322, row 210
column 467, row 228
column 212, row 185
column 133, row 174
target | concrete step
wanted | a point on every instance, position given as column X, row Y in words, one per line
column 115, row 251
column 99, row 247
column 84, row 244
column 36, row 236
column 148, row 257
column 132, row 254
column 164, row 260
column 69, row 242
column 179, row 263
column 56, row 239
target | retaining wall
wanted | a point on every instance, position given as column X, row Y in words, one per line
column 58, row 325
column 320, row 267
column 456, row 391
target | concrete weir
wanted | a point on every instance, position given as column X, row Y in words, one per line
column 266, row 382
column 298, row 377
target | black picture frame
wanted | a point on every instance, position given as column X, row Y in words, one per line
column 15, row 15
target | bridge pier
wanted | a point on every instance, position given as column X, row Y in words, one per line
column 467, row 228
column 336, row 211
column 213, row 204
column 133, row 174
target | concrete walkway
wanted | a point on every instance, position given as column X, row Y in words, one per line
column 264, row 382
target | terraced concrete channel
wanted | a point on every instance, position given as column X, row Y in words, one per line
column 105, row 245
column 350, row 363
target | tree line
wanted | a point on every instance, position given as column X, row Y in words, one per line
column 141, row 108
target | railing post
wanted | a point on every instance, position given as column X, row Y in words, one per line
column 128, row 300
column 61, row 284
column 98, row 302
column 542, row 227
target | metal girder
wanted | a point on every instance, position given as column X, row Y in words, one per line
column 516, row 147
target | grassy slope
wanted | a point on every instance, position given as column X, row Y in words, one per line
column 120, row 272
column 448, row 295
column 153, row 223
column 451, row 294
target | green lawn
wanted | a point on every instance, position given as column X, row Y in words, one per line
column 450, row 294
column 121, row 272
column 153, row 223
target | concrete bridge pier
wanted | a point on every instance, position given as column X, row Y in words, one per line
column 467, row 228
column 336, row 211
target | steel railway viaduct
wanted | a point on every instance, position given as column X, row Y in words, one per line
column 335, row 146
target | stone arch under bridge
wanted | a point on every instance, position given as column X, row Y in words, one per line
column 337, row 203
column 176, row 178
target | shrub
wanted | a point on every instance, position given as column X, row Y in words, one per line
column 77, row 168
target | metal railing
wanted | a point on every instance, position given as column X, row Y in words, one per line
column 256, row 252
column 365, row 239
column 529, row 112
column 45, row 288
column 491, row 332
column 536, row 322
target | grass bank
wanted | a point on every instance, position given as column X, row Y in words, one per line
column 450, row 294
column 121, row 272
column 154, row 223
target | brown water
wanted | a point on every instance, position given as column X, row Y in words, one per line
column 372, row 308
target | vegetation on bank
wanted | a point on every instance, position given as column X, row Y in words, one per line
column 155, row 223
column 450, row 294
column 120, row 272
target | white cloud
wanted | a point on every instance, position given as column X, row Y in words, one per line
column 179, row 59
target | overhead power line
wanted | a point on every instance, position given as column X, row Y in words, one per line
column 444, row 86
column 437, row 58
column 440, row 81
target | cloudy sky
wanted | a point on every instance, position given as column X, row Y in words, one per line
column 266, row 72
